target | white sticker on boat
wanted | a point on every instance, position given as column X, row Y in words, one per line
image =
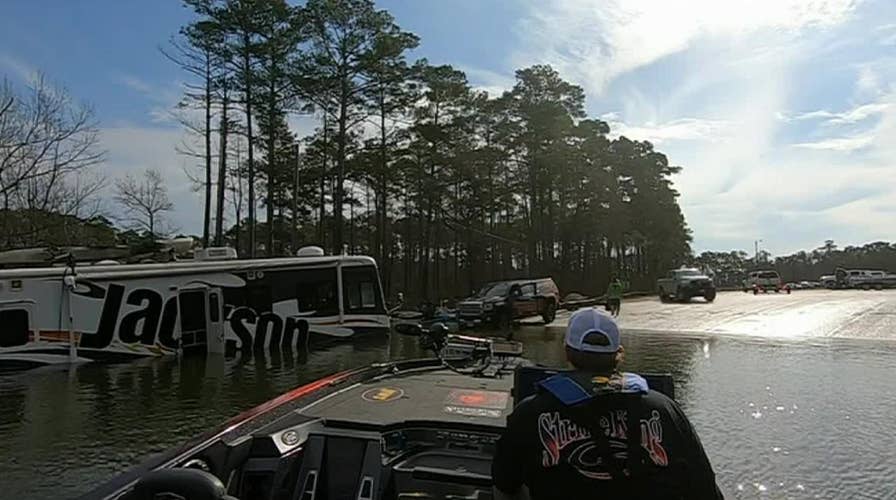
column 472, row 412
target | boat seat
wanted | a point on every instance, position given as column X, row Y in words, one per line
column 340, row 467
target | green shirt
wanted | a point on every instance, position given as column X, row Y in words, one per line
column 615, row 290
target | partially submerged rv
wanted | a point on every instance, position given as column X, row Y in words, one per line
column 214, row 303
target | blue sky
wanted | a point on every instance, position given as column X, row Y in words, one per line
column 781, row 112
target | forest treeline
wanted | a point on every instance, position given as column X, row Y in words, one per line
column 445, row 185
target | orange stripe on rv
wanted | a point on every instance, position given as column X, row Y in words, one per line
column 54, row 336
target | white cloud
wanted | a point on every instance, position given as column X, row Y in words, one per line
column 887, row 34
column 860, row 113
column 19, row 69
column 593, row 42
column 682, row 129
column 163, row 100
column 137, row 84
column 493, row 82
column 853, row 115
column 868, row 81
column 750, row 171
column 840, row 143
column 797, row 197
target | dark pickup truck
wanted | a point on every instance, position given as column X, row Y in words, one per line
column 501, row 302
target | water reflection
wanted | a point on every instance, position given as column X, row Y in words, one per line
column 794, row 420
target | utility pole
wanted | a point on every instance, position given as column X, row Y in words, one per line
column 756, row 249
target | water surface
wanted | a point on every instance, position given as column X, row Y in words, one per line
column 804, row 419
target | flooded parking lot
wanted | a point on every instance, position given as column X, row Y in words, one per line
column 791, row 395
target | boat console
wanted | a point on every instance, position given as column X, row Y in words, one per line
column 324, row 459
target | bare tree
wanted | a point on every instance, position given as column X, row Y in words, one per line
column 44, row 135
column 145, row 200
column 49, row 146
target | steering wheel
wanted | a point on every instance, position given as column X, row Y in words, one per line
column 179, row 484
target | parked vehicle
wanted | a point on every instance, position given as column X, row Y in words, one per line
column 828, row 281
column 117, row 312
column 860, row 278
column 683, row 284
column 501, row 302
column 765, row 281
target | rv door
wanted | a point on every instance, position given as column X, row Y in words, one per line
column 215, row 320
column 192, row 308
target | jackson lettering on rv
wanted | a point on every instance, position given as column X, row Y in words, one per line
column 155, row 319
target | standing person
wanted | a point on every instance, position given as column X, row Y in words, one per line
column 506, row 318
column 599, row 433
column 614, row 296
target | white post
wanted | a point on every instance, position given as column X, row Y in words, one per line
column 68, row 284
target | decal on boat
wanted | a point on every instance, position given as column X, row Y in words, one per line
column 382, row 394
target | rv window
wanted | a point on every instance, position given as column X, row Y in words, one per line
column 213, row 313
column 361, row 290
column 13, row 327
column 368, row 294
column 316, row 291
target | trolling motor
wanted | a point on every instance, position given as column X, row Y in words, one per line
column 452, row 348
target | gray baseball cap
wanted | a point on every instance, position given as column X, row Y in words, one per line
column 590, row 330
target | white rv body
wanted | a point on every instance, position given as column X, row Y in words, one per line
column 112, row 311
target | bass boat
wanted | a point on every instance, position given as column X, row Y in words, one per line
column 400, row 430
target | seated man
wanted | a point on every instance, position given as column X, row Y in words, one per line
column 598, row 433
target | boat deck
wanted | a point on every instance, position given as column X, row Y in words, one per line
column 429, row 395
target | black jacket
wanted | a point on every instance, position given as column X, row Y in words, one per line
column 551, row 448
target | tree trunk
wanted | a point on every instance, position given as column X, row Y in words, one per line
column 351, row 227
column 533, row 222
column 247, row 82
column 295, row 203
column 382, row 194
column 238, row 206
column 338, row 239
column 323, row 182
column 206, row 221
column 222, row 169
column 272, row 159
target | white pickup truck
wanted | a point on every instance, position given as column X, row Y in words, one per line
column 683, row 284
column 765, row 281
